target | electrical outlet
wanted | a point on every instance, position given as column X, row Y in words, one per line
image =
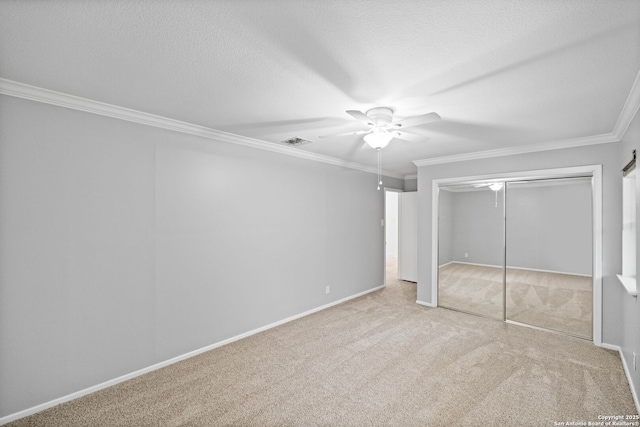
column 634, row 360
column 327, row 289
column 466, row 255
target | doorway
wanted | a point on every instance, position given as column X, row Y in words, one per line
column 391, row 232
column 522, row 249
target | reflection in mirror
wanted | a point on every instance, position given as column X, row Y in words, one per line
column 471, row 249
column 549, row 254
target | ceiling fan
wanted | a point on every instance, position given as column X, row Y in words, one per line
column 493, row 186
column 382, row 128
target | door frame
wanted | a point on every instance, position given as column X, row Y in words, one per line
column 595, row 171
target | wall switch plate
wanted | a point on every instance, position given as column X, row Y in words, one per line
column 327, row 289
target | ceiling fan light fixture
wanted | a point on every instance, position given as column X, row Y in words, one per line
column 378, row 139
column 496, row 186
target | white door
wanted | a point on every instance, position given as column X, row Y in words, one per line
column 408, row 254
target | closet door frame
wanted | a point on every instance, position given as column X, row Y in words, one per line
column 595, row 171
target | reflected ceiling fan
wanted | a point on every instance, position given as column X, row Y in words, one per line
column 493, row 186
column 382, row 128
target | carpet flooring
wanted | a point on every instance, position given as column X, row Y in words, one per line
column 378, row 360
column 562, row 302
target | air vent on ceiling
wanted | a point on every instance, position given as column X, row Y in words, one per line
column 296, row 142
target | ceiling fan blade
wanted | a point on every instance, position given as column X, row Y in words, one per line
column 360, row 132
column 359, row 115
column 417, row 120
column 409, row 136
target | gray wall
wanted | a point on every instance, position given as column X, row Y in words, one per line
column 548, row 226
column 606, row 154
column 478, row 227
column 410, row 185
column 628, row 306
column 124, row 245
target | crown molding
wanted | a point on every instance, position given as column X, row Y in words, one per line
column 46, row 96
column 631, row 107
column 510, row 151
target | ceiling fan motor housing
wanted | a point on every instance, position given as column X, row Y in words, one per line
column 381, row 116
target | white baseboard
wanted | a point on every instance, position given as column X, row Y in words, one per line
column 92, row 389
column 426, row 304
column 516, row 268
column 627, row 372
column 610, row 346
column 476, row 263
column 548, row 271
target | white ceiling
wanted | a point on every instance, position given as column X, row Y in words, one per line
column 500, row 73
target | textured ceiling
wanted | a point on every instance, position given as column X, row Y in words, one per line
column 499, row 73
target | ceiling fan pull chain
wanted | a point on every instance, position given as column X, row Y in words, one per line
column 379, row 166
column 379, row 162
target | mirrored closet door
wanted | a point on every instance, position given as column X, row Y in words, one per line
column 549, row 254
column 519, row 251
column 471, row 249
